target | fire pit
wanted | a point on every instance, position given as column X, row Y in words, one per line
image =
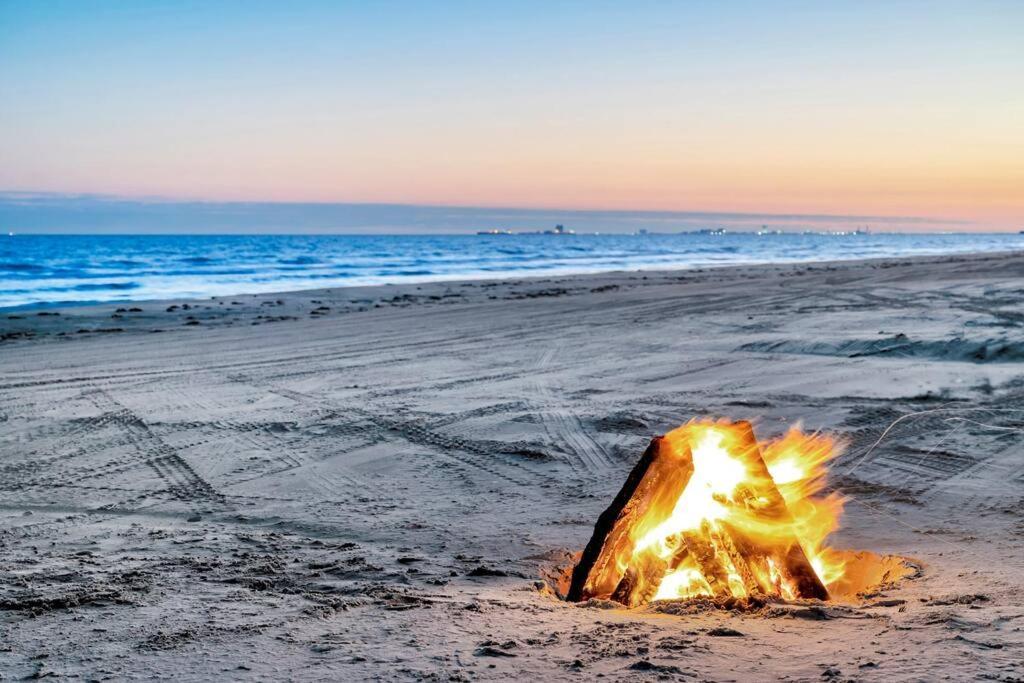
column 709, row 511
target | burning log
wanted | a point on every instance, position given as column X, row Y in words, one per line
column 702, row 514
column 644, row 502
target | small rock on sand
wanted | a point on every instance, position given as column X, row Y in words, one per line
column 725, row 631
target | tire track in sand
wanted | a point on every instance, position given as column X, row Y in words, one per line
column 564, row 429
column 488, row 455
column 180, row 479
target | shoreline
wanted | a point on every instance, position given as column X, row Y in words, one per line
column 489, row 280
column 164, row 315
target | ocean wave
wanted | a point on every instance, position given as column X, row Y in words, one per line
column 22, row 267
column 36, row 269
column 299, row 261
column 206, row 272
column 99, row 287
column 388, row 272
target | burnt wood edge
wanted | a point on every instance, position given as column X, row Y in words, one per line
column 795, row 560
column 808, row 585
column 606, row 522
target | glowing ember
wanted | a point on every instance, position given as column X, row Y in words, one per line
column 708, row 511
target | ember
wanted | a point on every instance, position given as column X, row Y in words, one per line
column 710, row 512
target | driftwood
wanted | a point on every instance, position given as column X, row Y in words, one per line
column 655, row 482
column 608, row 567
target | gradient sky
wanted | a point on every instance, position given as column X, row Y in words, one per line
column 867, row 108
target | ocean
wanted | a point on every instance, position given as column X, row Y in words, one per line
column 46, row 270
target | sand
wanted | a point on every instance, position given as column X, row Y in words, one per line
column 378, row 483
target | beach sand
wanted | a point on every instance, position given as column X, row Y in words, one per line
column 379, row 483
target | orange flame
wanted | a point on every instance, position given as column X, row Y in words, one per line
column 727, row 493
column 710, row 511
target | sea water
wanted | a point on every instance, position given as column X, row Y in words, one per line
column 40, row 270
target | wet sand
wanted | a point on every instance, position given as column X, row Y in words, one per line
column 378, row 483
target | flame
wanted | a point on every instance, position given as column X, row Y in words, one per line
column 731, row 495
column 710, row 511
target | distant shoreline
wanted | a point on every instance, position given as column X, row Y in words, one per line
column 23, row 211
column 522, row 233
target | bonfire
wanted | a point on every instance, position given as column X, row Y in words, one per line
column 709, row 511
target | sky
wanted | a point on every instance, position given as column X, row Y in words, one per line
column 847, row 109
